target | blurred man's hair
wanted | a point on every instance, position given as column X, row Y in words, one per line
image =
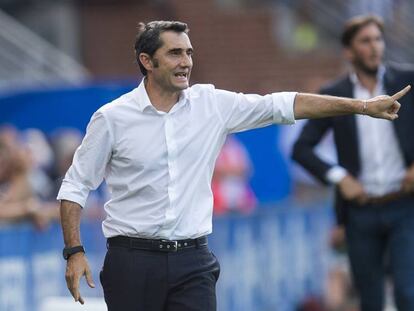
column 355, row 24
column 148, row 38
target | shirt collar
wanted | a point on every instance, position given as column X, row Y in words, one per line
column 143, row 101
column 380, row 76
column 141, row 96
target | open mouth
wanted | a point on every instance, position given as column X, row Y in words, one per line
column 182, row 75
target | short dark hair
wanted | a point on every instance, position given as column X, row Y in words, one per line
column 148, row 37
column 355, row 24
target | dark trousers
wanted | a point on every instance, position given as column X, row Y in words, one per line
column 380, row 236
column 144, row 280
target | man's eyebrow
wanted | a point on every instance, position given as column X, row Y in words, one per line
column 174, row 50
column 179, row 50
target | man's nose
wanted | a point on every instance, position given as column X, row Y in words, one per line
column 186, row 61
column 376, row 44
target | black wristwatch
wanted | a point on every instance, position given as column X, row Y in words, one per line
column 69, row 251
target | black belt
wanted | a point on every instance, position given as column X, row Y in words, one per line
column 156, row 245
column 387, row 198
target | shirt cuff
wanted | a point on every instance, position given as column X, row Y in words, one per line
column 70, row 191
column 283, row 107
column 336, row 174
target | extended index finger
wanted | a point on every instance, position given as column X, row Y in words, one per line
column 401, row 93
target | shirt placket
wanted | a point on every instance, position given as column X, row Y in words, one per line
column 378, row 156
column 171, row 143
column 376, row 159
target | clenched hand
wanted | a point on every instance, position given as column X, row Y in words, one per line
column 352, row 190
column 408, row 181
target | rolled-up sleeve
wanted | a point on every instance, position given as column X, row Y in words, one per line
column 89, row 162
column 283, row 107
column 240, row 112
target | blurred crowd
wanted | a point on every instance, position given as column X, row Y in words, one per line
column 31, row 169
column 230, row 184
column 32, row 166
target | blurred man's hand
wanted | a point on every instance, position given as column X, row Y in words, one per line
column 337, row 238
column 352, row 190
column 408, row 181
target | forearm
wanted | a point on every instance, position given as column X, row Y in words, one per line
column 70, row 213
column 310, row 106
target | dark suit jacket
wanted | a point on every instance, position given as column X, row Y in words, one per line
column 345, row 135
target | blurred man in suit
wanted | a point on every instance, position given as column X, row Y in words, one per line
column 374, row 177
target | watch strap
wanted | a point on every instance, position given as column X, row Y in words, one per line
column 69, row 251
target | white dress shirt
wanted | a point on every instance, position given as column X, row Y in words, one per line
column 382, row 163
column 158, row 166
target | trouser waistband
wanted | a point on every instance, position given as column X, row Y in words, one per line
column 156, row 245
column 388, row 198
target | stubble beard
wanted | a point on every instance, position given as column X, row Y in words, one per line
column 361, row 66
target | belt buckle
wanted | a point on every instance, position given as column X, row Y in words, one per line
column 168, row 246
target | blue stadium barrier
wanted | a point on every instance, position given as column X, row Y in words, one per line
column 270, row 260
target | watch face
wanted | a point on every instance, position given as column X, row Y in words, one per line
column 67, row 252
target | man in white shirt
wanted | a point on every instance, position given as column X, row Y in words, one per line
column 156, row 147
column 374, row 178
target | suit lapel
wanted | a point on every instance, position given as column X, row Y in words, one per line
column 390, row 89
column 389, row 81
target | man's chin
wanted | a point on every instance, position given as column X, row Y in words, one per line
column 370, row 70
column 182, row 86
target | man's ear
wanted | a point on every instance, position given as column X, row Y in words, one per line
column 146, row 61
column 348, row 54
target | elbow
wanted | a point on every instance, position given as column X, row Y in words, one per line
column 296, row 151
